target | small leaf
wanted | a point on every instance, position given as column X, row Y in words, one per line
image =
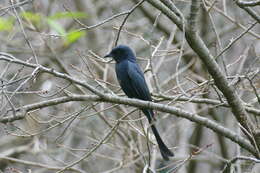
column 73, row 36
column 56, row 26
column 62, row 15
column 6, row 24
column 35, row 18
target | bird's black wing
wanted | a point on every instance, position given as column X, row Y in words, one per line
column 137, row 81
column 141, row 91
column 139, row 87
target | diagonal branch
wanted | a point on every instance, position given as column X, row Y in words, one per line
column 40, row 68
column 125, row 19
column 197, row 44
column 251, row 12
column 248, row 3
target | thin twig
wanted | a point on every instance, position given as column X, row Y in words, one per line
column 232, row 161
column 125, row 19
column 235, row 40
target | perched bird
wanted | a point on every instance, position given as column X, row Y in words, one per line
column 132, row 82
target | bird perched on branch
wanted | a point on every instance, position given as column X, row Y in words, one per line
column 132, row 82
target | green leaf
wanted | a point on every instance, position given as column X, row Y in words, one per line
column 56, row 26
column 35, row 18
column 6, row 24
column 73, row 36
column 62, row 15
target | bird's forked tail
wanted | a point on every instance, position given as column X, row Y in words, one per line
column 165, row 151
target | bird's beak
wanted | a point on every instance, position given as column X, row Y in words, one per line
column 108, row 55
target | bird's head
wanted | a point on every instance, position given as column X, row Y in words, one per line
column 121, row 53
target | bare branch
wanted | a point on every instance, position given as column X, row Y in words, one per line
column 194, row 10
column 36, row 164
column 249, row 10
column 232, row 161
column 125, row 19
column 197, row 44
column 141, row 104
column 248, row 3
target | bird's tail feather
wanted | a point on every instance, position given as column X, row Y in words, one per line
column 165, row 151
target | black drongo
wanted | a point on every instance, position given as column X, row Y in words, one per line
column 132, row 82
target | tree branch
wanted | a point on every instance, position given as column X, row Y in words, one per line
column 194, row 10
column 220, row 80
column 204, row 101
column 40, row 68
column 140, row 104
column 232, row 161
column 124, row 21
column 248, row 3
column 249, row 10
column 35, row 164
